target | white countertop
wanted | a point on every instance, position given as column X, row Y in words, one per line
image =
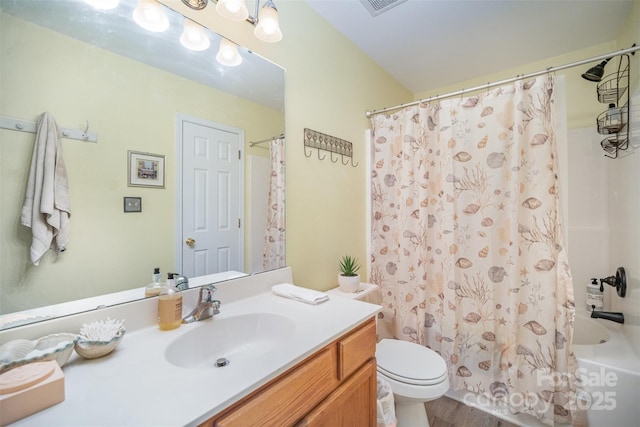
column 367, row 292
column 136, row 386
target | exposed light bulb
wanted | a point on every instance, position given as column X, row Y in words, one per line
column 235, row 10
column 149, row 14
column 103, row 4
column 194, row 36
column 233, row 7
column 228, row 53
column 268, row 28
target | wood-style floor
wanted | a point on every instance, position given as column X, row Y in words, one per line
column 446, row 412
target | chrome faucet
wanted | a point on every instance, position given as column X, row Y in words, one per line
column 207, row 306
column 182, row 283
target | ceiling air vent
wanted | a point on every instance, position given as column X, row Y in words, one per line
column 376, row 7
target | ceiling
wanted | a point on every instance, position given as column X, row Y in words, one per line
column 428, row 44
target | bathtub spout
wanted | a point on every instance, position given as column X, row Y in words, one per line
column 608, row 315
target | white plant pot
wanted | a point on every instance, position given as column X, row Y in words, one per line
column 349, row 284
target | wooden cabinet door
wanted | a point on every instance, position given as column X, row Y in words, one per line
column 353, row 404
column 356, row 348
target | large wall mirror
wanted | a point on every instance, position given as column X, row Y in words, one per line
column 140, row 92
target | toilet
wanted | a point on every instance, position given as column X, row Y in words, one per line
column 416, row 375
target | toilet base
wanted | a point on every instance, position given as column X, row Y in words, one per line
column 411, row 413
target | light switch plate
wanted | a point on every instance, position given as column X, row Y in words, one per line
column 132, row 204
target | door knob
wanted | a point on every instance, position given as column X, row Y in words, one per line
column 190, row 242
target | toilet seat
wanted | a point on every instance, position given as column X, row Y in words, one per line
column 410, row 363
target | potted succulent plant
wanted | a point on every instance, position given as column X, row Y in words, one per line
column 349, row 279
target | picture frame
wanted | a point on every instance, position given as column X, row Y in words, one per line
column 146, row 169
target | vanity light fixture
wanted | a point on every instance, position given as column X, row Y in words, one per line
column 194, row 36
column 196, row 4
column 228, row 53
column 234, row 10
column 266, row 19
column 268, row 27
column 149, row 14
column 103, row 4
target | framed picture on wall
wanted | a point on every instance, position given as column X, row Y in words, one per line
column 146, row 170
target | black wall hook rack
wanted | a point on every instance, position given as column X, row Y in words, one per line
column 335, row 146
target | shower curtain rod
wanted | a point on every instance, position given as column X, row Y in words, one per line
column 262, row 141
column 631, row 50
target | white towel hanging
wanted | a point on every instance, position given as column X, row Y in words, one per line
column 46, row 208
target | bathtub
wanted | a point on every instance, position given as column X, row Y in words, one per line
column 608, row 370
column 612, row 372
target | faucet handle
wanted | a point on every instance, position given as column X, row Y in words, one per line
column 619, row 281
column 206, row 293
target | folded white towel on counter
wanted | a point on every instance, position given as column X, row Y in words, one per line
column 309, row 296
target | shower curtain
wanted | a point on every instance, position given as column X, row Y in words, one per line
column 467, row 245
column 274, row 236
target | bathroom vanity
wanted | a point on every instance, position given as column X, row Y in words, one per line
column 336, row 386
column 290, row 363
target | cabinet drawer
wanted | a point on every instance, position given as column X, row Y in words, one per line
column 355, row 349
column 287, row 400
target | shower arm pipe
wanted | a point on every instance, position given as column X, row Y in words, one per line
column 262, row 141
column 630, row 50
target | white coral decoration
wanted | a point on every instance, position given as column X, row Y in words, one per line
column 103, row 330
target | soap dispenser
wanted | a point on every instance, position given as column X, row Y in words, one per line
column 169, row 306
column 154, row 288
column 595, row 298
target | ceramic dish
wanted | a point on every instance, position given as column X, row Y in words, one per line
column 15, row 350
column 100, row 338
column 56, row 347
column 95, row 349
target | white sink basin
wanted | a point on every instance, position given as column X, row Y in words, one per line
column 236, row 339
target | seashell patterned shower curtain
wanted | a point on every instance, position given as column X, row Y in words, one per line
column 467, row 245
column 274, row 233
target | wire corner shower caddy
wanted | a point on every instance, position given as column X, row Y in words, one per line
column 614, row 122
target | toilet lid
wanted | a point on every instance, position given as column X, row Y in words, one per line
column 410, row 363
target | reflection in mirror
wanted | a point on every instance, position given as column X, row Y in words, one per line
column 139, row 91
